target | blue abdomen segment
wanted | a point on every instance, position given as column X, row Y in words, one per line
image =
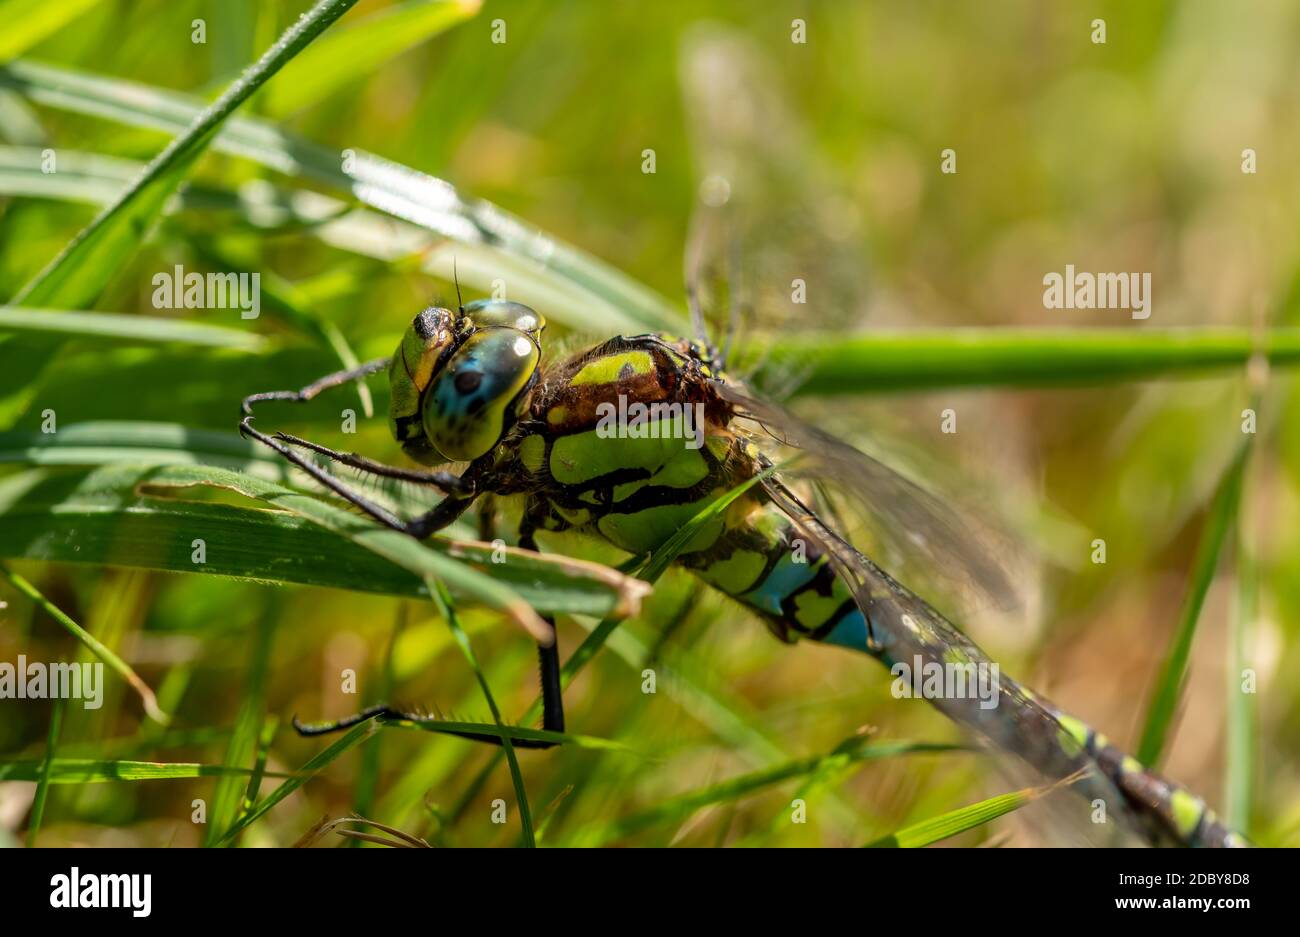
column 850, row 631
column 784, row 579
column 765, row 562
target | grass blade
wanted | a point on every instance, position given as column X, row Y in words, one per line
column 109, row 441
column 487, row 241
column 83, row 268
column 43, row 783
column 352, row 52
column 309, row 770
column 119, row 524
column 1173, row 672
column 227, row 797
column 443, row 601
column 958, row 821
column 1014, row 357
column 1242, row 720
column 131, row 329
column 28, row 22
column 101, row 771
column 96, row 179
column 678, row 809
column 92, row 644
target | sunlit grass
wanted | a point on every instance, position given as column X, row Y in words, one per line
column 293, row 587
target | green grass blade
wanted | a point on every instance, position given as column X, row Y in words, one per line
column 128, row 329
column 443, row 601
column 1242, row 720
column 89, row 178
column 227, row 796
column 1173, row 672
column 1013, row 357
column 92, row 644
column 82, row 177
column 18, row 122
column 957, row 821
column 350, row 53
column 384, row 680
column 79, row 273
column 679, row 809
column 109, row 441
column 270, row 726
column 27, row 22
column 101, row 771
column 488, row 242
column 393, row 545
column 43, row 782
column 119, row 523
column 310, row 769
column 84, row 267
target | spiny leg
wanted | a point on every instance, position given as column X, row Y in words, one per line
column 487, row 519
column 549, row 669
column 461, row 490
column 548, row 657
column 391, row 714
column 450, row 483
column 314, row 388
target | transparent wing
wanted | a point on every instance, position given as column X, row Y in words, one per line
column 917, row 532
column 773, row 214
column 774, row 217
column 785, row 212
column 906, row 628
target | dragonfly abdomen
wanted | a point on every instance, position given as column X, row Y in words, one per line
column 765, row 563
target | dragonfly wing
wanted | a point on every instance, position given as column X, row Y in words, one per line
column 912, row 523
column 769, row 201
column 771, row 204
column 904, row 628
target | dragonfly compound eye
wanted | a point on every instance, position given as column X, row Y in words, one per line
column 474, row 399
column 485, row 313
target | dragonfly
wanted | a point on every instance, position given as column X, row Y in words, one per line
column 632, row 438
column 468, row 385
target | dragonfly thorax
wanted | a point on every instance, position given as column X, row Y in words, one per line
column 459, row 378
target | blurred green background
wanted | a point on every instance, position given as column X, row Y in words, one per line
column 1118, row 156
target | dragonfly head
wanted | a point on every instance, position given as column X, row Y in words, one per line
column 459, row 379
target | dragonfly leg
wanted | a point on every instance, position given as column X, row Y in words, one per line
column 552, row 710
column 314, row 388
column 487, row 519
column 548, row 659
column 446, row 481
column 461, row 490
column 387, row 713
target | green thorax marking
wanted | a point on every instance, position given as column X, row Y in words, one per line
column 638, row 487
